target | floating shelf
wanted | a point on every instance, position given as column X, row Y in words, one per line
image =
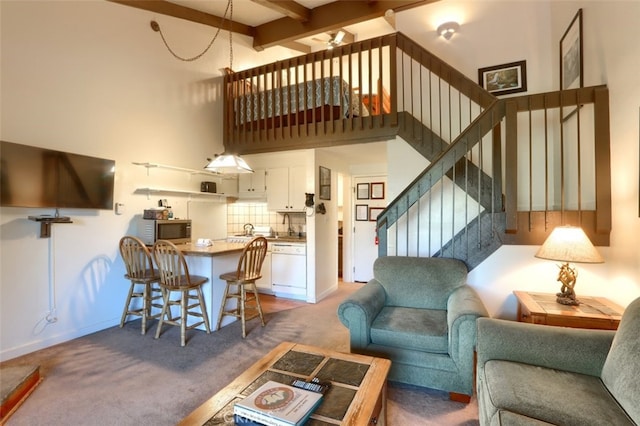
column 46, row 221
column 206, row 196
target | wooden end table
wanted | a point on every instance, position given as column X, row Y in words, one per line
column 593, row 312
column 357, row 396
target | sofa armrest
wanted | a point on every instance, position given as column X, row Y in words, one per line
column 358, row 311
column 569, row 349
column 464, row 307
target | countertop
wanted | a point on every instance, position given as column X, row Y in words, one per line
column 218, row 248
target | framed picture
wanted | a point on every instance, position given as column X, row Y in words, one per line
column 374, row 212
column 362, row 191
column 377, row 190
column 504, row 79
column 325, row 183
column 571, row 55
column 362, row 211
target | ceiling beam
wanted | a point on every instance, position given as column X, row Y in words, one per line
column 288, row 8
column 326, row 18
column 171, row 9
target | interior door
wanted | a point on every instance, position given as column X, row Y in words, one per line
column 369, row 198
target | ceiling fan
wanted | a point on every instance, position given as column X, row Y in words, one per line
column 338, row 38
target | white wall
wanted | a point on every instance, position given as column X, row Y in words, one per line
column 498, row 32
column 93, row 78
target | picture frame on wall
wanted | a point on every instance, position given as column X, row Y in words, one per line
column 377, row 190
column 571, row 61
column 362, row 191
column 325, row 183
column 362, row 211
column 505, row 78
column 374, row 212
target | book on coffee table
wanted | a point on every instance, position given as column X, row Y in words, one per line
column 277, row 404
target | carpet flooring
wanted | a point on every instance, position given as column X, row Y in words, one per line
column 119, row 377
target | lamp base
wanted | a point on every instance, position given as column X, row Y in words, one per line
column 567, row 277
column 567, row 300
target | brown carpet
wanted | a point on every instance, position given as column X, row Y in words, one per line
column 120, row 377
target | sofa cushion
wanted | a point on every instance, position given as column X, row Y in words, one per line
column 507, row 418
column 419, row 282
column 553, row 396
column 410, row 328
column 621, row 371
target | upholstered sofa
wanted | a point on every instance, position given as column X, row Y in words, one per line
column 421, row 314
column 538, row 375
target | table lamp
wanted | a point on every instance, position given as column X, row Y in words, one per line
column 568, row 244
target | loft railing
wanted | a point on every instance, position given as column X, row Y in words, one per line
column 356, row 93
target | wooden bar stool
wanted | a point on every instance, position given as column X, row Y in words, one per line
column 243, row 279
column 175, row 278
column 140, row 271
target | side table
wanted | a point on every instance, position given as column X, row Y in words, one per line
column 593, row 312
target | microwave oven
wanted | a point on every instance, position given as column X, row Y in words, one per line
column 177, row 231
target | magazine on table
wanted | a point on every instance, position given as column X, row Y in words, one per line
column 277, row 404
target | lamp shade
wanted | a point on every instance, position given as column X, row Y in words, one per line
column 569, row 244
column 228, row 164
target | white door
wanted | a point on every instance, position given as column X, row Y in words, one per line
column 369, row 198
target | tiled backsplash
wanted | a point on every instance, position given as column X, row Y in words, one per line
column 238, row 214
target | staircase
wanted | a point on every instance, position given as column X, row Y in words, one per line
column 501, row 171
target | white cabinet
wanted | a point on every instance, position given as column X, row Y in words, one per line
column 264, row 283
column 252, row 185
column 286, row 188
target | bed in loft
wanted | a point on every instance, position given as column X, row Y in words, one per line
column 323, row 99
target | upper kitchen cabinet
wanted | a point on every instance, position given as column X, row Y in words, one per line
column 286, row 188
column 252, row 185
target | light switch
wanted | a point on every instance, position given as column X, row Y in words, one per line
column 119, row 208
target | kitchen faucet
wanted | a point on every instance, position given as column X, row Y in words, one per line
column 289, row 229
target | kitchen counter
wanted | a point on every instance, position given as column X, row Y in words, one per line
column 218, row 248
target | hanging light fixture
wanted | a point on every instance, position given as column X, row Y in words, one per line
column 228, row 164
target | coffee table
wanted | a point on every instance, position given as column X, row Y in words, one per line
column 357, row 395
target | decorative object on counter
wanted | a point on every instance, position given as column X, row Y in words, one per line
column 243, row 278
column 175, row 277
column 155, row 214
column 325, row 183
column 140, row 271
column 568, row 244
column 228, row 164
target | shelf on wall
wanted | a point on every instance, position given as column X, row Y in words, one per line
column 203, row 196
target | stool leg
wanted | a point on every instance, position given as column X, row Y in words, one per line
column 165, row 296
column 203, row 309
column 224, row 302
column 126, row 305
column 255, row 293
column 243, row 301
column 146, row 307
column 183, row 316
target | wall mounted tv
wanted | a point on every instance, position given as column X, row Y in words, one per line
column 38, row 177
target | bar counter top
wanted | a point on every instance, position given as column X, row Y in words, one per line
column 218, row 248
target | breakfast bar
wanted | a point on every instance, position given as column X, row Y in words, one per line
column 211, row 261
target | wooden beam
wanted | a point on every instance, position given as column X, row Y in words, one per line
column 326, row 18
column 171, row 9
column 288, row 8
column 294, row 45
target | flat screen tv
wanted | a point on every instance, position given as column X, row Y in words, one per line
column 38, row 177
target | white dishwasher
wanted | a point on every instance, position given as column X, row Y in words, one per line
column 289, row 269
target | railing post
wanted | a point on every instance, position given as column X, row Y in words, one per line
column 393, row 79
column 381, row 232
column 511, row 167
column 602, row 159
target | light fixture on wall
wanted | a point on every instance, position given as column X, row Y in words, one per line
column 447, row 29
column 228, row 164
column 568, row 244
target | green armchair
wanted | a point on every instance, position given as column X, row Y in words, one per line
column 420, row 314
column 532, row 374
